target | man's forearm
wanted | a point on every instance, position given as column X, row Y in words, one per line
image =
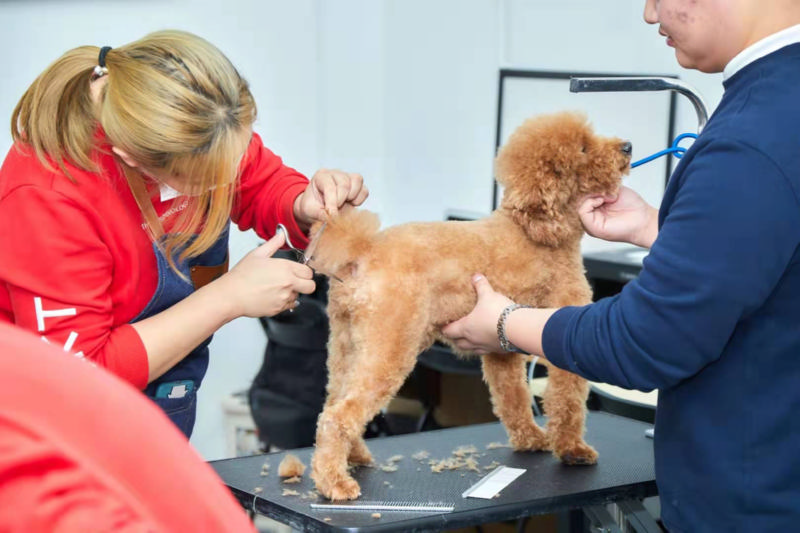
column 524, row 328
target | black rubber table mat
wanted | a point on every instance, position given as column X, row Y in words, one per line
column 624, row 471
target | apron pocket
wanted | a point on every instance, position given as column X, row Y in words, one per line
column 181, row 411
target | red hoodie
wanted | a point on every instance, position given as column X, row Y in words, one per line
column 76, row 264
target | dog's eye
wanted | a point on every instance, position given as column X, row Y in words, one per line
column 583, row 149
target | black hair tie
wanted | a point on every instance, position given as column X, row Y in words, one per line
column 101, row 59
column 100, row 69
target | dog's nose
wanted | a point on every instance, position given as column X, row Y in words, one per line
column 627, row 148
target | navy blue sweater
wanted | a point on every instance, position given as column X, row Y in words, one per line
column 713, row 320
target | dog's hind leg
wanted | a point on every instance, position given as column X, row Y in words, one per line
column 340, row 344
column 380, row 368
column 565, row 406
column 511, row 400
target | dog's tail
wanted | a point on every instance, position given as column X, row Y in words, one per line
column 337, row 244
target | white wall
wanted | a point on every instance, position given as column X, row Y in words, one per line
column 403, row 91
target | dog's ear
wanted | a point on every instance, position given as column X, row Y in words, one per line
column 536, row 168
column 538, row 201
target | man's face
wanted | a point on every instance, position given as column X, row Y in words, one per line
column 706, row 34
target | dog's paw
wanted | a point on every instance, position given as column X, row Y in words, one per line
column 344, row 489
column 533, row 441
column 360, row 455
column 581, row 454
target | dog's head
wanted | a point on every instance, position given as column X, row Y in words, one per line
column 550, row 163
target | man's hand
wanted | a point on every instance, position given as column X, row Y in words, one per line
column 477, row 332
column 625, row 217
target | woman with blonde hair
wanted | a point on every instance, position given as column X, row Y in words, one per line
column 128, row 165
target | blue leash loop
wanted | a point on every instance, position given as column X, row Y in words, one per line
column 675, row 150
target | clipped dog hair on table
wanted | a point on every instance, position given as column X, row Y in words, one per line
column 291, row 466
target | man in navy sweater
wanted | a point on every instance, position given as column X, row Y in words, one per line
column 713, row 320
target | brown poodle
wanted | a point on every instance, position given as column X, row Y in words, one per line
column 395, row 289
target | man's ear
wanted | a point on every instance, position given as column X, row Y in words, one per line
column 125, row 157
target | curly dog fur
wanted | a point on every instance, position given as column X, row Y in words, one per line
column 397, row 288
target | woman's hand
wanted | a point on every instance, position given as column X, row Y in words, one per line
column 328, row 191
column 260, row 285
column 477, row 332
column 625, row 217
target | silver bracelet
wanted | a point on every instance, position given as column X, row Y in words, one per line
column 505, row 344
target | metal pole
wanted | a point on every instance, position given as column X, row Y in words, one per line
column 627, row 84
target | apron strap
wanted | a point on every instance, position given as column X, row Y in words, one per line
column 142, row 197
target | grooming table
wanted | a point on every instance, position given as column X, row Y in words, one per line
column 624, row 473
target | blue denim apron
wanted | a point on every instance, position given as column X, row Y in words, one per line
column 176, row 390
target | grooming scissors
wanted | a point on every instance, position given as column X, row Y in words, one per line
column 305, row 256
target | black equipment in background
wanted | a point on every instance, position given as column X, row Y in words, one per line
column 288, row 392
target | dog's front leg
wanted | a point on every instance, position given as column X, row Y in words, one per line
column 511, row 400
column 565, row 406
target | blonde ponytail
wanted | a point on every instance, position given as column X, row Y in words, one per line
column 55, row 115
column 173, row 103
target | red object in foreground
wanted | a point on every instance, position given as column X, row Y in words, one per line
column 82, row 450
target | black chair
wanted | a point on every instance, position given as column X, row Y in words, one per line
column 288, row 392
